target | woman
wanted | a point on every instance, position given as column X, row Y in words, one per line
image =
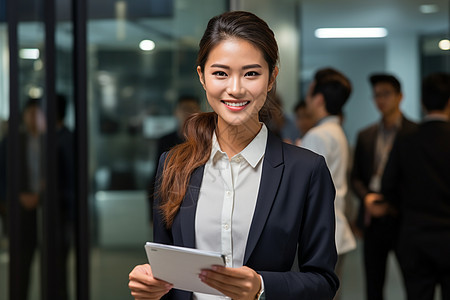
column 233, row 187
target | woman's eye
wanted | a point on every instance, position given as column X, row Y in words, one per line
column 220, row 73
column 251, row 73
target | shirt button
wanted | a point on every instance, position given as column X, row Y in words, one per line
column 228, row 193
column 226, row 226
column 238, row 159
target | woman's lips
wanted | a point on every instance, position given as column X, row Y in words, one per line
column 235, row 105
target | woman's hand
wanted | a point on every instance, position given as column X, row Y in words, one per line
column 237, row 283
column 144, row 286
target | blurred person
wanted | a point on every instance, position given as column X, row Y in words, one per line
column 326, row 97
column 186, row 106
column 417, row 183
column 303, row 119
column 31, row 186
column 373, row 147
column 64, row 233
column 282, row 124
column 234, row 187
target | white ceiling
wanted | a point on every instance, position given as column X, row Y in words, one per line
column 398, row 16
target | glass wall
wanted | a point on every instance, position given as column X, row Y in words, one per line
column 30, row 162
column 33, row 226
column 4, row 113
column 141, row 59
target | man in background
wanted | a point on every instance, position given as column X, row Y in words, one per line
column 326, row 97
column 64, row 233
column 186, row 106
column 303, row 120
column 281, row 123
column 32, row 186
column 373, row 147
column 417, row 183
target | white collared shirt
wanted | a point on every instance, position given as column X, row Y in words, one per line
column 227, row 201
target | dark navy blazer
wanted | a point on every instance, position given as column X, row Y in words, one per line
column 295, row 207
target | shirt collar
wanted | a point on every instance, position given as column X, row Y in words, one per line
column 329, row 119
column 396, row 127
column 253, row 153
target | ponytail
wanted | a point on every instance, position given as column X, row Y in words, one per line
column 182, row 160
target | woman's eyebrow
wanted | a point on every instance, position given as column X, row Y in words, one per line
column 220, row 66
column 252, row 66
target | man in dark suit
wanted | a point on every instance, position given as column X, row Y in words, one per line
column 372, row 150
column 417, row 183
column 32, row 184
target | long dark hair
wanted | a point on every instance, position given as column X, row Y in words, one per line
column 183, row 159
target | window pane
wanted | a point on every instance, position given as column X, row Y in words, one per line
column 4, row 115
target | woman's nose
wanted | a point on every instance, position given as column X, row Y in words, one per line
column 235, row 87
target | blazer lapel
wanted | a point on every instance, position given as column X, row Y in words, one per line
column 273, row 166
column 189, row 207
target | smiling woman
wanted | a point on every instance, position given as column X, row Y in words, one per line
column 234, row 187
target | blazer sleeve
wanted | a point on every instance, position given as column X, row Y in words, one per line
column 160, row 233
column 316, row 246
column 390, row 182
column 358, row 185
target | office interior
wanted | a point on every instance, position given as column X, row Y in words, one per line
column 122, row 65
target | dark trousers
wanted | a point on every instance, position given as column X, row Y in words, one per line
column 425, row 264
column 28, row 239
column 28, row 244
column 379, row 240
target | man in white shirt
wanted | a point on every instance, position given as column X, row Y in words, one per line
column 326, row 96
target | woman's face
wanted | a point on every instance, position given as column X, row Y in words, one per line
column 236, row 81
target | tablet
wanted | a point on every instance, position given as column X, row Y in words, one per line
column 181, row 266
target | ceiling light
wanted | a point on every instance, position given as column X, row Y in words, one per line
column 343, row 33
column 444, row 44
column 429, row 8
column 147, row 45
column 29, row 53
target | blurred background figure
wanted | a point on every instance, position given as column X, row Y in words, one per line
column 66, row 194
column 32, row 185
column 281, row 123
column 326, row 97
column 373, row 147
column 303, row 119
column 417, row 182
column 185, row 107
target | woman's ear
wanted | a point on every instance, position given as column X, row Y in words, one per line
column 201, row 77
column 272, row 79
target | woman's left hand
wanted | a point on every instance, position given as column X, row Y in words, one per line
column 237, row 283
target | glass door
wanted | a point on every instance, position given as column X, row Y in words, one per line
column 141, row 59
